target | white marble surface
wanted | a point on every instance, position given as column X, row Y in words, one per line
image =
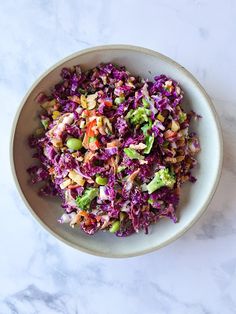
column 194, row 275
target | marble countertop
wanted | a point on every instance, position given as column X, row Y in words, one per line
column 194, row 275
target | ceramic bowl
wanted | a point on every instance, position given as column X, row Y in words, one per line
column 194, row 197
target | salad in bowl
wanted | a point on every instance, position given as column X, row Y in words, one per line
column 115, row 147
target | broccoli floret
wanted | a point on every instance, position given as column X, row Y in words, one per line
column 162, row 178
column 139, row 115
column 83, row 202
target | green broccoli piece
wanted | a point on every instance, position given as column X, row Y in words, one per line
column 121, row 168
column 45, row 123
column 83, row 202
column 140, row 115
column 145, row 103
column 132, row 153
column 149, row 140
column 129, row 114
column 182, row 117
column 146, row 127
column 162, row 178
column 150, row 201
column 119, row 100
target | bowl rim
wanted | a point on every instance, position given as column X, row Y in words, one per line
column 197, row 86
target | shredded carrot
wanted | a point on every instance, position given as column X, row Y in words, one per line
column 98, row 218
column 94, row 145
column 169, row 134
column 75, row 99
column 88, row 156
column 111, row 162
column 114, row 144
column 89, row 113
column 51, row 170
column 83, row 213
column 73, row 186
column 89, row 133
column 108, row 103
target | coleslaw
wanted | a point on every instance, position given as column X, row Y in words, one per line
column 114, row 147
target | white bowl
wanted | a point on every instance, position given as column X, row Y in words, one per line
column 194, row 197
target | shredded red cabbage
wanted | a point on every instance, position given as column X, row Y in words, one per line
column 116, row 148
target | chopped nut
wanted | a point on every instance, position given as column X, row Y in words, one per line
column 175, row 126
column 114, row 143
column 82, row 124
column 57, row 143
column 178, row 90
column 143, row 162
column 172, row 160
column 65, row 183
column 168, row 86
column 75, row 220
column 139, row 146
column 75, row 99
column 76, row 177
column 108, row 123
column 180, row 158
column 83, row 101
column 91, row 101
column 99, row 122
column 160, row 117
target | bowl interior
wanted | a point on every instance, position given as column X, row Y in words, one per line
column 194, row 197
